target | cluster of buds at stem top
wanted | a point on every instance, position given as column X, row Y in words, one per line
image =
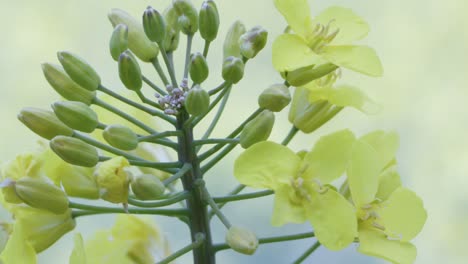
column 174, row 100
column 138, row 43
column 208, row 20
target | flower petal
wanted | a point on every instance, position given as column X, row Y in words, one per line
column 330, row 156
column 284, row 211
column 78, row 255
column 18, row 249
column 363, row 171
column 385, row 143
column 389, row 181
column 373, row 242
column 333, row 219
column 361, row 59
column 296, row 13
column 344, row 95
column 290, row 52
column 266, row 165
column 403, row 214
column 351, row 26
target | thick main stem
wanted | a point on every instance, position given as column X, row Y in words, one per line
column 199, row 219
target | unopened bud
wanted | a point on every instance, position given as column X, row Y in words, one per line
column 231, row 42
column 304, row 114
column 138, row 43
column 113, row 180
column 171, row 41
column 120, row 137
column 40, row 194
column 233, row 69
column 275, row 98
column 43, row 122
column 308, row 74
column 258, row 129
column 129, row 71
column 197, row 101
column 79, row 70
column 65, row 86
column 209, row 20
column 253, row 41
column 242, row 240
column 147, row 187
column 76, row 115
column 74, row 151
column 154, row 25
column 188, row 16
column 79, row 181
column 198, row 68
column 119, row 41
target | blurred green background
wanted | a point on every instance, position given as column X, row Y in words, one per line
column 422, row 45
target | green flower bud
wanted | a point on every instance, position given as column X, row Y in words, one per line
column 43, row 228
column 208, row 20
column 119, row 41
column 138, row 43
column 253, row 41
column 187, row 16
column 171, row 41
column 79, row 181
column 40, row 194
column 303, row 114
column 65, row 86
column 74, row 151
column 76, row 115
column 154, row 25
column 79, row 70
column 198, row 68
column 231, row 42
column 275, row 98
column 120, row 137
column 308, row 74
column 242, row 240
column 147, row 187
column 129, row 71
column 43, row 122
column 258, row 129
column 197, row 101
column 233, row 69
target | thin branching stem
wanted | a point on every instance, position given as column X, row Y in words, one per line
column 199, row 238
column 187, row 55
column 308, row 252
column 245, row 196
column 154, row 86
column 160, row 71
column 160, row 203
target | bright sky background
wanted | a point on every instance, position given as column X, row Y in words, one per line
column 422, row 45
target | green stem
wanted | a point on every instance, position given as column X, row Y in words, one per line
column 159, row 114
column 169, row 67
column 218, row 89
column 126, row 100
column 154, row 86
column 156, row 165
column 274, row 239
column 236, row 190
column 206, row 48
column 216, row 141
column 215, row 120
column 160, row 203
column 124, row 115
column 91, row 209
column 212, row 105
column 214, row 207
column 239, row 197
column 187, row 55
column 160, row 71
column 105, row 147
column 290, row 136
column 329, row 115
column 217, row 158
column 233, row 134
column 160, row 135
column 307, row 253
column 199, row 239
column 178, row 175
